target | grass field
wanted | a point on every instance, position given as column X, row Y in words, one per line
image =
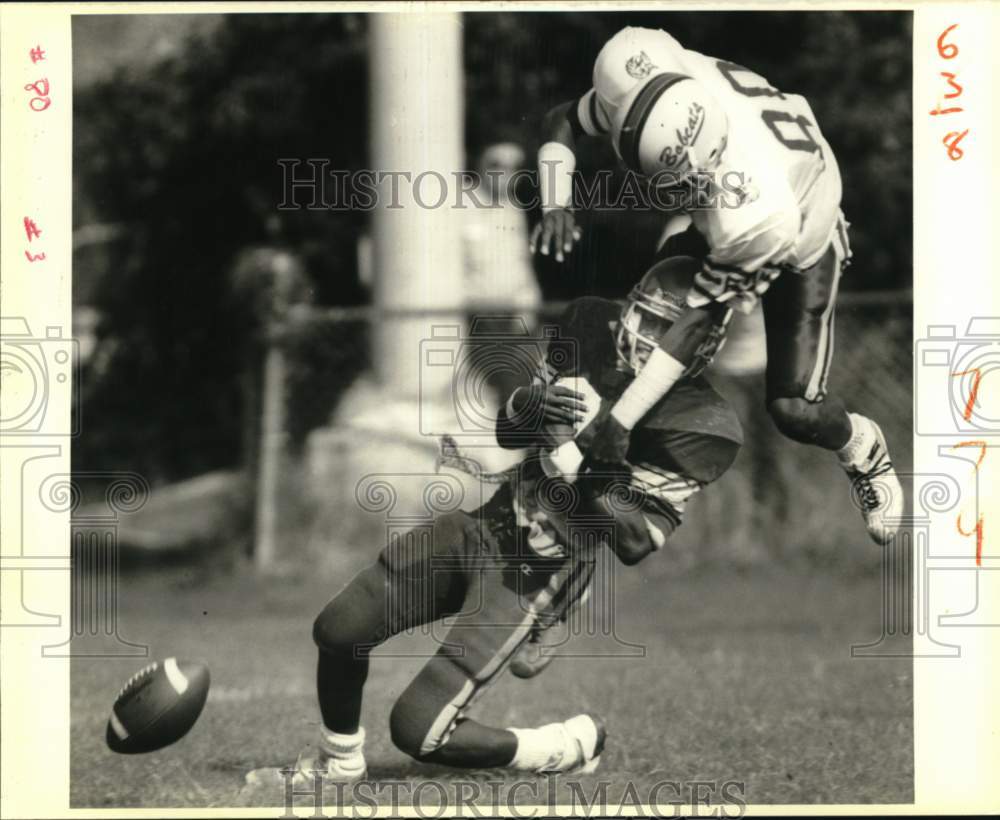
column 747, row 677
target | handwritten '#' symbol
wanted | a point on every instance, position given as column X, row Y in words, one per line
column 36, row 54
column 31, row 229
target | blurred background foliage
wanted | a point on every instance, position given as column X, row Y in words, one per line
column 176, row 149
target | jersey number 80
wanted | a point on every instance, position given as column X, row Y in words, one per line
column 787, row 122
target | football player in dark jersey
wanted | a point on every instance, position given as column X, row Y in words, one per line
column 512, row 567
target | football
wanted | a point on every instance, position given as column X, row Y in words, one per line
column 157, row 706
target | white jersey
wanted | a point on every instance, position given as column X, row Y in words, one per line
column 794, row 188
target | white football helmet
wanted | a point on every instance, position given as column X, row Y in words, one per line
column 655, row 303
column 630, row 58
column 670, row 125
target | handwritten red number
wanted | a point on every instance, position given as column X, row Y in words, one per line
column 951, row 81
column 952, row 139
column 41, row 88
column 973, row 393
column 982, row 450
column 979, row 536
column 947, row 50
column 35, row 257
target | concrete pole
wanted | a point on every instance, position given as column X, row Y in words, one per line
column 417, row 126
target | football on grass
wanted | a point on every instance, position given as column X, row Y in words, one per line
column 157, row 706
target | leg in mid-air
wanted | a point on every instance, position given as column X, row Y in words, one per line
column 461, row 574
column 799, row 318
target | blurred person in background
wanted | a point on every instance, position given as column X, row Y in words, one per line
column 501, row 289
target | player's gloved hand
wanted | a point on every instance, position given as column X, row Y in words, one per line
column 546, row 404
column 609, row 445
column 558, row 230
column 605, row 449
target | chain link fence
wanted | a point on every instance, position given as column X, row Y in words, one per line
column 781, row 502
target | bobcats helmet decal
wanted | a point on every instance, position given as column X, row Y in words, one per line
column 639, row 66
column 630, row 57
column 670, row 124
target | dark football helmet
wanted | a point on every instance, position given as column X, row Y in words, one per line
column 655, row 303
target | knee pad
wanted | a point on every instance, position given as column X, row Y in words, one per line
column 424, row 716
column 328, row 632
column 356, row 617
column 408, row 728
column 795, row 418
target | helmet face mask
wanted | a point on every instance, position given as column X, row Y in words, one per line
column 644, row 320
column 656, row 302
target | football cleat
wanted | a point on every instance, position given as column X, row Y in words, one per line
column 308, row 767
column 583, row 741
column 876, row 490
column 535, row 654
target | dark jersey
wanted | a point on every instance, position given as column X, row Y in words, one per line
column 687, row 440
column 585, row 347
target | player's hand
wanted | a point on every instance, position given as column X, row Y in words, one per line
column 609, row 446
column 552, row 404
column 557, row 231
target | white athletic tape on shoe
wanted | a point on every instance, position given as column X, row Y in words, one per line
column 177, row 678
column 117, row 727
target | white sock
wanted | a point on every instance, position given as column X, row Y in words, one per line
column 538, row 748
column 341, row 747
column 860, row 442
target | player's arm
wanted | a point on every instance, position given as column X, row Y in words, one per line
column 637, row 523
column 736, row 277
column 562, row 128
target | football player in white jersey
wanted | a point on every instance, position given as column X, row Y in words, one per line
column 684, row 121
